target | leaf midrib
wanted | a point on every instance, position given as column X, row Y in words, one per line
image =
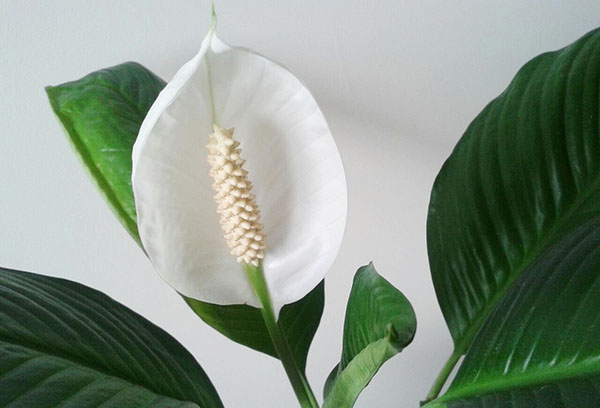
column 549, row 237
column 548, row 375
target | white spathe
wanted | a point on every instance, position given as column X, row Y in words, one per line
column 292, row 161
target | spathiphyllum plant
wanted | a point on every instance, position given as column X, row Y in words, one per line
column 230, row 181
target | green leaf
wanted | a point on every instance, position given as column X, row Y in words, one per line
column 380, row 322
column 540, row 348
column 244, row 324
column 64, row 344
column 525, row 173
column 102, row 114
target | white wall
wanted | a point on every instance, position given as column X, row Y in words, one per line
column 398, row 81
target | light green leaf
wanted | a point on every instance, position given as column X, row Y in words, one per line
column 63, row 344
column 380, row 322
column 540, row 348
column 525, row 173
column 102, row 114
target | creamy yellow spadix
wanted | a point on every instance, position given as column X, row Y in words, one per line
column 240, row 217
column 298, row 180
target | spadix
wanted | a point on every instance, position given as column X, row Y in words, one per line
column 235, row 202
column 298, row 181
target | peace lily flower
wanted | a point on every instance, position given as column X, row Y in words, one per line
column 235, row 169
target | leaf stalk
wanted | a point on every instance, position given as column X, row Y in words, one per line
column 442, row 377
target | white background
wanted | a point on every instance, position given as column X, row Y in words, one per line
column 398, row 81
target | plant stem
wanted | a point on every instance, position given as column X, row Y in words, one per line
column 295, row 375
column 443, row 376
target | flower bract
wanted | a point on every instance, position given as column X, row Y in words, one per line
column 297, row 177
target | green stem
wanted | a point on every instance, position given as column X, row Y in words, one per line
column 295, row 375
column 443, row 376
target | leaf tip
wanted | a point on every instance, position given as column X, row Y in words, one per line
column 50, row 91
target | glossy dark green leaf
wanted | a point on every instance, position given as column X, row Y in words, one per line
column 63, row 344
column 102, row 114
column 540, row 347
column 525, row 173
column 244, row 324
column 379, row 323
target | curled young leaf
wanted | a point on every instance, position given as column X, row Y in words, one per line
column 380, row 322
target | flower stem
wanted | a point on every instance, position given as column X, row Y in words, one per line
column 295, row 374
column 442, row 377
